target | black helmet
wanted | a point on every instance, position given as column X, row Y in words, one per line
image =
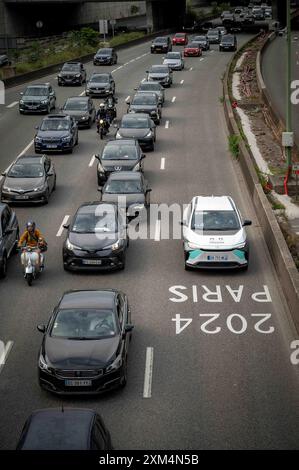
column 30, row 224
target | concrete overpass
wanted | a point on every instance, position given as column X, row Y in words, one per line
column 19, row 17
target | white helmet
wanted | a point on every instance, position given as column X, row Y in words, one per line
column 102, row 105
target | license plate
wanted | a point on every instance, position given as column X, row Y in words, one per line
column 78, row 383
column 52, row 146
column 32, row 107
column 92, row 261
column 217, row 257
column 22, row 197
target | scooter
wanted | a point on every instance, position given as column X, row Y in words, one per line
column 30, row 261
column 102, row 127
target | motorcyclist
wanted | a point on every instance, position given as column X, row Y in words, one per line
column 33, row 237
column 102, row 114
column 110, row 103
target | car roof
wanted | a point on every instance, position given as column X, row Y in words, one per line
column 132, row 142
column 100, row 73
column 218, row 203
column 125, row 175
column 86, row 98
column 73, row 62
column 105, row 49
column 150, row 82
column 59, row 429
column 89, row 207
column 148, row 93
column 58, row 116
column 160, row 38
column 135, row 116
column 31, row 158
column 158, row 65
column 38, row 85
column 228, row 36
column 104, row 298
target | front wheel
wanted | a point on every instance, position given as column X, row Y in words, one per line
column 101, row 133
column 3, row 268
column 29, row 278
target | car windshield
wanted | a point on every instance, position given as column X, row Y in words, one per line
column 76, row 105
column 144, row 99
column 99, row 79
column 123, row 187
column 173, row 55
column 180, row 35
column 213, row 33
column 95, row 222
column 228, row 39
column 26, row 170
column 119, row 152
column 135, row 123
column 214, row 220
column 36, row 91
column 149, row 87
column 159, row 69
column 71, row 68
column 104, row 51
column 85, row 323
column 160, row 40
column 54, row 125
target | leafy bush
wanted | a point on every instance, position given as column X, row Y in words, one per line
column 233, row 145
column 125, row 37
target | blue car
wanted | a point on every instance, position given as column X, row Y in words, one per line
column 57, row 133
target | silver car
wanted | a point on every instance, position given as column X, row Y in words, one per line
column 174, row 60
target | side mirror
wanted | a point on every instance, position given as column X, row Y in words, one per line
column 135, row 89
column 149, row 190
column 146, row 71
column 129, row 327
column 97, row 156
column 67, row 226
column 36, row 127
column 246, row 222
column 21, row 93
column 3, row 174
column 100, row 190
column 8, row 231
column 41, row 328
column 143, row 156
column 50, row 173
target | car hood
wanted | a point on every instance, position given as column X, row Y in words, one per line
column 134, row 133
column 215, row 240
column 140, row 107
column 92, row 242
column 130, row 198
column 98, row 84
column 121, row 165
column 52, row 134
column 23, row 183
column 85, row 354
column 34, row 98
column 75, row 112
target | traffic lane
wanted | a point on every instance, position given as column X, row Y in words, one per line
column 274, row 74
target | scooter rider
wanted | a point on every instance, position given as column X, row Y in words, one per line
column 33, row 237
column 102, row 114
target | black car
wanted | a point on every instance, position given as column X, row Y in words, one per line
column 97, row 239
column 161, row 44
column 100, row 84
column 127, row 188
column 160, row 73
column 146, row 103
column 106, row 56
column 31, row 178
column 57, row 133
column 214, row 36
column 64, row 429
column 81, row 109
column 39, row 98
column 4, row 60
column 228, row 19
column 86, row 343
column 152, row 87
column 119, row 155
column 140, row 127
column 9, row 236
column 248, row 19
column 228, row 43
column 202, row 41
column 72, row 73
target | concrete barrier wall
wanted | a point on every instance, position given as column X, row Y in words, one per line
column 284, row 264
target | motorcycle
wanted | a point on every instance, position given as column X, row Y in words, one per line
column 102, row 127
column 31, row 258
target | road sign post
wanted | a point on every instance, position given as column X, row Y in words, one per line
column 113, row 23
column 103, row 28
column 295, row 170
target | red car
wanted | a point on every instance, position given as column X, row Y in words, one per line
column 192, row 50
column 180, row 39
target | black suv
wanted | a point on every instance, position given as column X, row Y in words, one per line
column 72, row 73
column 38, row 98
column 57, row 132
column 146, row 103
column 106, row 56
column 119, row 155
column 9, row 236
column 65, row 429
column 228, row 43
column 100, row 84
column 161, row 44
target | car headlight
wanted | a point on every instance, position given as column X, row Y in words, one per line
column 59, row 75
column 240, row 245
column 149, row 134
column 78, row 75
column 6, row 189
column 21, row 101
column 116, row 364
column 115, row 246
column 84, row 118
column 40, row 188
column 66, row 138
column 72, row 247
column 118, row 135
column 136, row 167
column 192, row 246
column 44, row 102
column 43, row 365
column 38, row 140
column 153, row 113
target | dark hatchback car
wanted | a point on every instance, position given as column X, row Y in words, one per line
column 100, row 84
column 127, row 188
column 160, row 73
column 96, row 239
column 81, row 109
column 64, row 429
column 146, row 103
column 86, row 343
column 9, row 236
column 57, row 133
column 152, row 87
column 140, row 127
column 119, row 155
column 203, row 42
column 39, row 98
column 106, row 56
column 228, row 43
column 161, row 44
column 30, row 179
column 72, row 73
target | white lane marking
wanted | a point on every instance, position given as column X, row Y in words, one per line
column 26, row 148
column 181, row 82
column 173, row 99
column 166, row 124
column 11, row 105
column 162, row 163
column 127, row 63
column 201, row 59
column 83, row 93
column 143, row 80
column 127, row 98
column 92, row 160
column 212, row 51
column 191, row 68
column 61, row 228
column 157, row 230
column 148, row 374
column 5, row 352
